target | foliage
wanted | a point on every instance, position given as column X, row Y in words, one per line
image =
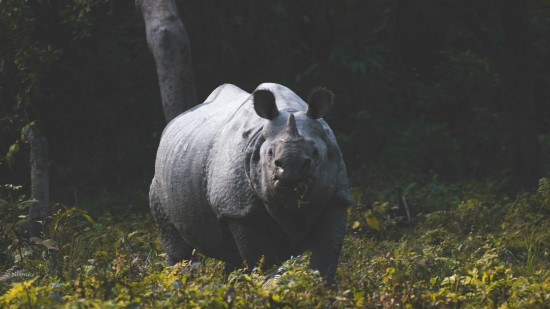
column 29, row 53
column 415, row 90
column 417, row 93
column 481, row 251
column 53, row 70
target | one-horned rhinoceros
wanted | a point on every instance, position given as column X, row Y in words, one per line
column 242, row 176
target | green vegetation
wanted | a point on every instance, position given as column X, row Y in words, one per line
column 417, row 90
column 421, row 91
column 469, row 247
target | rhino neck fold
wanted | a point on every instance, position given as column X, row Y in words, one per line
column 252, row 160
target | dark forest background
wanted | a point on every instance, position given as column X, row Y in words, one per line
column 424, row 89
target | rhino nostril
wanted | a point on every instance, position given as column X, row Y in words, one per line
column 278, row 163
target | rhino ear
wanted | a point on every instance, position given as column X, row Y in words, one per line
column 319, row 102
column 264, row 104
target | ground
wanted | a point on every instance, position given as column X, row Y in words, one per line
column 467, row 246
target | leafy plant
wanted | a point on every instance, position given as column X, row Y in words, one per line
column 480, row 251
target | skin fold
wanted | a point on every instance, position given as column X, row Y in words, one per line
column 244, row 176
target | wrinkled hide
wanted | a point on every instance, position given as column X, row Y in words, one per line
column 243, row 176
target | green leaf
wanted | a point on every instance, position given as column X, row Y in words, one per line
column 15, row 290
column 48, row 243
column 87, row 217
column 14, row 149
column 372, row 221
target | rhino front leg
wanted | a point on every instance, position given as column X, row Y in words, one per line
column 253, row 241
column 176, row 248
column 326, row 240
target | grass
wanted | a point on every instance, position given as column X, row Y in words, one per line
column 468, row 247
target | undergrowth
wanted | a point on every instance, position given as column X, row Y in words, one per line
column 460, row 246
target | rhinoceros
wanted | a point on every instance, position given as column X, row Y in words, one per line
column 254, row 177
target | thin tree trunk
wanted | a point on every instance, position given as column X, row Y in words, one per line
column 40, row 180
column 169, row 44
column 518, row 88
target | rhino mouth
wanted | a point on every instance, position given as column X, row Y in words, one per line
column 294, row 195
column 299, row 186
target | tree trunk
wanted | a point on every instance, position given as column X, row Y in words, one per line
column 169, row 44
column 40, row 182
column 517, row 74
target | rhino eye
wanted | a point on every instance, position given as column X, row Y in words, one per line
column 270, row 152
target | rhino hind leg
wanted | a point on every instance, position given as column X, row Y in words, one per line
column 176, row 248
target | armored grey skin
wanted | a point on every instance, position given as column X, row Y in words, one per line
column 242, row 176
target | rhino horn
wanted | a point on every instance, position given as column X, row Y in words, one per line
column 291, row 131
